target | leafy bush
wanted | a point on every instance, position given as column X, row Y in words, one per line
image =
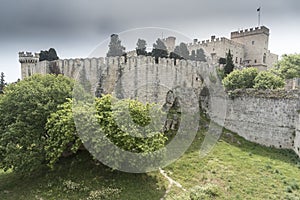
column 220, row 73
column 240, row 79
column 61, row 129
column 139, row 113
column 268, row 80
column 138, row 135
column 289, row 66
column 131, row 136
column 251, row 78
column 24, row 109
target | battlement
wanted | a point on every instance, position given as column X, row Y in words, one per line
column 251, row 31
column 213, row 40
column 28, row 57
column 203, row 42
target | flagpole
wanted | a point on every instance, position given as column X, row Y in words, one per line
column 258, row 10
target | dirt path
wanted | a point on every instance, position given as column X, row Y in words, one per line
column 171, row 183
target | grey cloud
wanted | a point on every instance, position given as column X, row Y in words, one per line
column 76, row 17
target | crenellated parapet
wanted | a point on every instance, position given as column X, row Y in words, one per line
column 28, row 57
column 251, row 31
column 214, row 41
column 206, row 42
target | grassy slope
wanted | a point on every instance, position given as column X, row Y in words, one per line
column 240, row 171
column 78, row 177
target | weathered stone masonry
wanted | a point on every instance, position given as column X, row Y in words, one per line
column 267, row 120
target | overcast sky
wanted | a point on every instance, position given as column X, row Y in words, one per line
column 75, row 27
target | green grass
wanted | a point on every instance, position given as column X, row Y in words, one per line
column 239, row 170
column 236, row 170
column 79, row 177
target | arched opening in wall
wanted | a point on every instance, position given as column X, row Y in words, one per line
column 255, row 61
column 280, row 146
column 298, row 149
column 264, row 58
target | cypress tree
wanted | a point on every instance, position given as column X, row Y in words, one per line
column 229, row 64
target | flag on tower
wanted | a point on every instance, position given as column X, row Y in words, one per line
column 258, row 10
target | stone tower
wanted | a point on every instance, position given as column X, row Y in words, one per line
column 170, row 43
column 255, row 41
column 28, row 63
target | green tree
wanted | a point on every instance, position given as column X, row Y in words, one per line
column 159, row 50
column 24, row 110
column 267, row 80
column 228, row 68
column 141, row 47
column 240, row 79
column 49, row 55
column 52, row 54
column 184, row 52
column 64, row 138
column 222, row 61
column 175, row 54
column 289, row 66
column 115, row 47
column 2, row 82
column 200, row 56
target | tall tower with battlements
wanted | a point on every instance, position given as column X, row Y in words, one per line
column 170, row 43
column 256, row 42
column 249, row 48
column 30, row 64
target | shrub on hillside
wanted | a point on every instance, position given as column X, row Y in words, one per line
column 267, row 80
column 240, row 79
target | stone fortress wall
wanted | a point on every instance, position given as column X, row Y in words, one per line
column 264, row 117
column 256, row 42
column 138, row 74
column 271, row 121
column 265, row 120
column 297, row 136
